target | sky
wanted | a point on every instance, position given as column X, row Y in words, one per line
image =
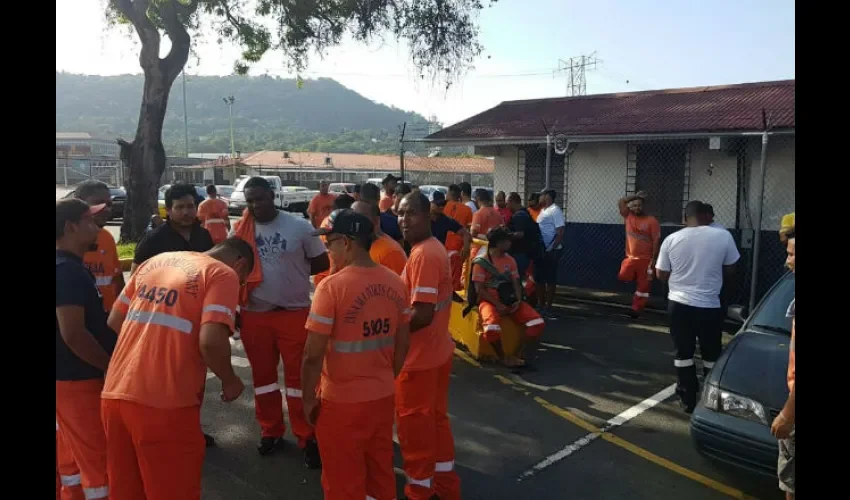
column 642, row 45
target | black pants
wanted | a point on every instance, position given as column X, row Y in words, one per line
column 687, row 324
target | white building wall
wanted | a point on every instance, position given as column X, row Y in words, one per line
column 596, row 179
column 504, row 166
column 714, row 180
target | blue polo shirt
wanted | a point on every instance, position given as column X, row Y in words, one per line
column 75, row 286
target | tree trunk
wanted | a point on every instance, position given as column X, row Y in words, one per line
column 145, row 156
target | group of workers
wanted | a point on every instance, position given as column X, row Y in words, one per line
column 372, row 346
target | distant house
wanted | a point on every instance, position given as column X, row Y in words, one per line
column 307, row 169
column 700, row 143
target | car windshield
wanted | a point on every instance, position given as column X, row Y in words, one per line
column 224, row 190
column 770, row 315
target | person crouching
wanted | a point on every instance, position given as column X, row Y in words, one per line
column 499, row 292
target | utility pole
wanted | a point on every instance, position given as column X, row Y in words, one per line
column 576, row 67
column 401, row 150
column 229, row 100
column 185, row 118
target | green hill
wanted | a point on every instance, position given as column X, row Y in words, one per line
column 270, row 113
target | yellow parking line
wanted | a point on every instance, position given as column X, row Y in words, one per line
column 466, row 357
column 622, row 443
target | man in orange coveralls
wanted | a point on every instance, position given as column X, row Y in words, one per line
column 358, row 336
column 643, row 240
column 490, row 303
column 102, row 258
column 384, row 250
column 275, row 309
column 84, row 344
column 422, row 388
column 68, row 479
column 455, row 242
column 214, row 215
column 175, row 316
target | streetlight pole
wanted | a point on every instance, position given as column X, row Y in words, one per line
column 185, row 118
column 229, row 100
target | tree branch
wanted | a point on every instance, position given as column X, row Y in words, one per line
column 137, row 12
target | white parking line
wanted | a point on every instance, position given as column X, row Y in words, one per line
column 616, row 421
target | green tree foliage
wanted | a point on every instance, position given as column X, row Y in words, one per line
column 270, row 113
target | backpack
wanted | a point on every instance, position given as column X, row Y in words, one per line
column 503, row 283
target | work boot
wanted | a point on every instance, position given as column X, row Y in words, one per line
column 209, row 440
column 633, row 314
column 312, row 459
column 269, row 445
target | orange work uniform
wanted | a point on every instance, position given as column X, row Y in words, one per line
column 68, row 480
column 454, row 243
column 321, row 206
column 490, row 317
column 154, row 387
column 78, row 384
column 104, row 265
column 483, row 220
column 213, row 215
column 386, row 202
column 641, row 234
column 422, row 388
column 534, row 212
column 388, row 253
column 360, row 309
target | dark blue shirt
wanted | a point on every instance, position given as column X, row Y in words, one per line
column 389, row 225
column 75, row 286
column 442, row 225
column 531, row 242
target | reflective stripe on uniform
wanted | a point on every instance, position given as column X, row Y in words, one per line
column 492, row 328
column 57, row 425
column 218, row 308
column 708, row 364
column 638, row 236
column 161, row 319
column 424, row 289
column 444, row 466
column 321, row 319
column 293, row 393
column 642, row 294
column 99, row 492
column 124, row 300
column 214, row 221
column 425, row 483
column 264, row 389
column 443, row 304
column 103, row 280
column 353, row 346
column 535, row 321
column 70, row 480
column 683, row 363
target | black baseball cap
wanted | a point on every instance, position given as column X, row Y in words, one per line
column 439, row 199
column 347, row 222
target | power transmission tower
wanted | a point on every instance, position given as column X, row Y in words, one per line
column 575, row 68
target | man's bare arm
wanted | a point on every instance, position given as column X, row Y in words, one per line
column 72, row 328
column 423, row 315
column 215, row 350
column 662, row 275
column 623, row 205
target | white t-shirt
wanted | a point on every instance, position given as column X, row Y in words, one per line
column 284, row 246
column 471, row 205
column 695, row 257
column 549, row 220
column 717, row 225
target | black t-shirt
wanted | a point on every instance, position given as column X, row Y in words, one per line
column 531, row 242
column 389, row 225
column 75, row 286
column 442, row 225
column 166, row 239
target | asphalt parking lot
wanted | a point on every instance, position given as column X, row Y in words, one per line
column 532, row 436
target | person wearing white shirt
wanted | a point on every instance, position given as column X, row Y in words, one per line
column 552, row 224
column 695, row 261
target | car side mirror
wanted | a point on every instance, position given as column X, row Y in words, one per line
column 737, row 313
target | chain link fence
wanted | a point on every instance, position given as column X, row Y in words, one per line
column 72, row 173
column 721, row 171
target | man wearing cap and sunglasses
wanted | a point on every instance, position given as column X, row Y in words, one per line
column 84, row 344
column 357, row 342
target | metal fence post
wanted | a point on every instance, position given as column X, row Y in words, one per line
column 757, row 228
column 548, row 167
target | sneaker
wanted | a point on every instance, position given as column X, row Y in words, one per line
column 312, row 460
column 269, row 445
column 209, row 440
column 236, row 335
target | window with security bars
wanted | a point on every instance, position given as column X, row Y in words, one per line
column 661, row 171
column 532, row 162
